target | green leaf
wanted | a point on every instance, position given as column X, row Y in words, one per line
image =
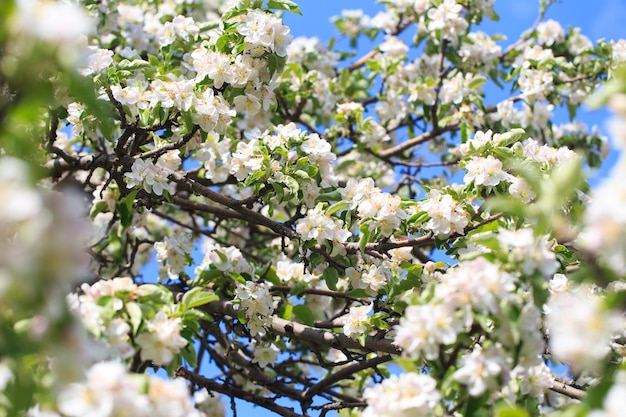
column 361, row 338
column 511, row 137
column 193, row 316
column 292, row 184
column 364, row 237
column 330, row 196
column 155, row 293
column 222, row 257
column 205, row 277
column 197, row 296
column 134, row 313
column 407, row 364
column 304, row 314
column 331, row 277
column 284, row 5
column 475, row 405
column 477, row 82
column 507, row 411
column 135, row 64
column 287, row 311
column 278, row 189
column 358, row 293
column 168, row 196
column 125, row 209
column 464, row 132
column 97, row 208
column 189, row 354
column 337, row 207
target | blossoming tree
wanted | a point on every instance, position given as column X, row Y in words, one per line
column 365, row 235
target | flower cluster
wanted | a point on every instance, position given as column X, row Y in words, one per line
column 447, row 216
column 150, row 176
column 257, row 305
column 356, row 321
column 317, row 225
column 408, row 394
column 172, row 254
column 263, row 31
column 112, row 312
column 43, row 235
column 161, row 340
column 226, row 259
column 110, row 390
column 580, row 328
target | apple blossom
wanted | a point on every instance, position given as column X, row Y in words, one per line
column 364, row 225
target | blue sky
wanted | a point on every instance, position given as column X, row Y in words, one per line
column 598, row 19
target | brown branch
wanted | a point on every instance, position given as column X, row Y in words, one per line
column 232, row 391
column 293, row 330
column 425, row 240
column 425, row 137
column 155, row 153
column 246, row 213
column 567, row 389
column 371, row 54
column 345, row 373
column 316, row 291
column 205, row 208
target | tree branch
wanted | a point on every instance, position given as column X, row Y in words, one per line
column 293, row 330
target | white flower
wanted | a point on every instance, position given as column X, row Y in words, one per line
column 550, row 32
column 446, row 216
column 478, row 371
column 210, row 404
column 482, row 49
column 258, row 305
column 98, row 61
column 318, row 226
column 384, row 210
column 170, row 398
column 6, row 375
column 520, row 188
column 534, row 253
column 60, row 22
column 18, row 200
column 477, row 283
column 172, row 254
column 536, row 116
column 605, row 220
column 262, row 29
column 355, row 323
column 535, row 380
column 455, row 89
column 375, row 278
column 107, row 391
column 117, row 336
column 161, row 340
column 578, row 43
column 151, row 177
column 535, row 84
column 406, row 395
column 484, row 171
column 580, row 328
column 265, row 355
column 448, row 19
column 424, row 328
column 227, row 259
column 394, row 47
